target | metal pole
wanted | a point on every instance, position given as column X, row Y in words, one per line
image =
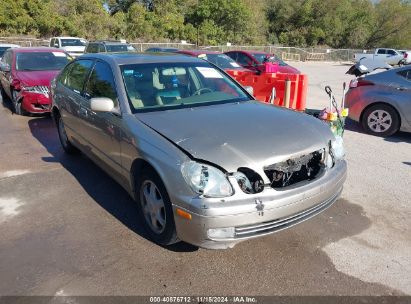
column 287, row 93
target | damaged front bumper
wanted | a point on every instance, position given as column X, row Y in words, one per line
column 222, row 223
column 34, row 102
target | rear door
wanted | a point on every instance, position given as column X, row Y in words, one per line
column 102, row 129
column 381, row 54
column 69, row 95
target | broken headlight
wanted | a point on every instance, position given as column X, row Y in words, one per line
column 249, row 181
column 206, row 180
column 337, row 148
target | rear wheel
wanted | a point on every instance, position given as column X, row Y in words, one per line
column 156, row 212
column 381, row 120
column 65, row 142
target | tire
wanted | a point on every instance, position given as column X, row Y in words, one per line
column 155, row 210
column 16, row 104
column 65, row 142
column 380, row 120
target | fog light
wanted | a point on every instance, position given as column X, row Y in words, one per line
column 221, row 233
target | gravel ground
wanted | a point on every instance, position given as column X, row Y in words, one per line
column 69, row 229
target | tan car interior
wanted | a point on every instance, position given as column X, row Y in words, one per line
column 153, row 87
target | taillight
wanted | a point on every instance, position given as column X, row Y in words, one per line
column 405, row 55
column 355, row 83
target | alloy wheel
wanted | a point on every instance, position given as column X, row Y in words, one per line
column 379, row 121
column 153, row 206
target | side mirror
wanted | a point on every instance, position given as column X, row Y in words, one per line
column 249, row 89
column 101, row 104
column 4, row 67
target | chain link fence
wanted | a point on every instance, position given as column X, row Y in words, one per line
column 286, row 53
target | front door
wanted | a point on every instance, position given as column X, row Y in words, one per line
column 102, row 129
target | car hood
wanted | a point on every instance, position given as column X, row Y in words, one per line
column 235, row 135
column 36, row 78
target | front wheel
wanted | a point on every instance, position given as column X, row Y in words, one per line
column 16, row 103
column 381, row 120
column 156, row 212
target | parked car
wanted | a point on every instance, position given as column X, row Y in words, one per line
column 5, row 46
column 217, row 58
column 108, row 46
column 205, row 162
column 381, row 102
column 254, row 60
column 74, row 46
column 407, row 56
column 389, row 56
column 25, row 75
column 161, row 50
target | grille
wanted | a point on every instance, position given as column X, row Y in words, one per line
column 295, row 170
column 280, row 224
column 43, row 89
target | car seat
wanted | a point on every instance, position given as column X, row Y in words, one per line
column 171, row 92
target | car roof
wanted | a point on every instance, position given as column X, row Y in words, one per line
column 112, row 42
column 198, row 52
column 67, row 37
column 140, row 58
column 37, row 49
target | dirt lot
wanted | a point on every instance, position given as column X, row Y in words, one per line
column 69, row 229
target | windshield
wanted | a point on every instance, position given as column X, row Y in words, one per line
column 119, row 48
column 163, row 86
column 41, row 61
column 261, row 58
column 73, row 42
column 222, row 61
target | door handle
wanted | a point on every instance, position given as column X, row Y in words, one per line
column 401, row 89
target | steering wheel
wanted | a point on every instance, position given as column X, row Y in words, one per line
column 202, row 91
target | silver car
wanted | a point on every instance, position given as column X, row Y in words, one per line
column 205, row 162
column 381, row 102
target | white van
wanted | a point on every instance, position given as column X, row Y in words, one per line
column 73, row 45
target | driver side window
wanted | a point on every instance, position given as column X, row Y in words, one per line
column 101, row 83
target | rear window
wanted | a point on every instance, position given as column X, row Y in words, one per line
column 221, row 60
column 72, row 42
column 117, row 48
column 259, row 57
column 41, row 61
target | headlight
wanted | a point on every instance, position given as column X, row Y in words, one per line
column 206, row 180
column 337, row 148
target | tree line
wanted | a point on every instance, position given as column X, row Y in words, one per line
column 301, row 23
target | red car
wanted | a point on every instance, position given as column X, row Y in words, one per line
column 25, row 75
column 254, row 60
column 217, row 58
